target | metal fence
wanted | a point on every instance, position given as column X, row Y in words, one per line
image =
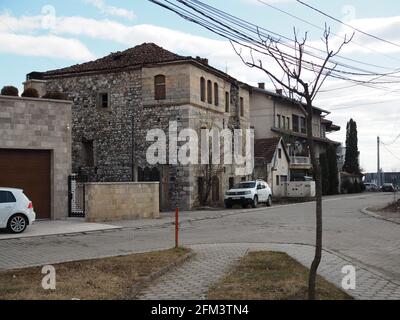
column 76, row 196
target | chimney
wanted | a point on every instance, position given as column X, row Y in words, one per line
column 35, row 80
column 261, row 85
column 279, row 91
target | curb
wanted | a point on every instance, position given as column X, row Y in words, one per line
column 65, row 234
column 144, row 281
column 377, row 216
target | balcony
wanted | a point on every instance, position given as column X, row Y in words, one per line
column 300, row 162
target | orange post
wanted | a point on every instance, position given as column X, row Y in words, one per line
column 176, row 227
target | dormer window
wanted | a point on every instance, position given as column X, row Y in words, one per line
column 159, row 87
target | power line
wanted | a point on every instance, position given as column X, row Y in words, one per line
column 391, row 152
column 337, row 35
column 348, row 25
column 234, row 29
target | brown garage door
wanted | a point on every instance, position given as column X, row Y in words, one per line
column 28, row 170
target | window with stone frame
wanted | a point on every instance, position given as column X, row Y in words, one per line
column 88, row 153
column 216, row 94
column 203, row 89
column 303, row 127
column 103, row 100
column 159, row 87
column 295, row 123
column 227, row 101
column 209, row 92
column 241, row 107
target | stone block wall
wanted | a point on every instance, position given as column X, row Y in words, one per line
column 41, row 124
column 109, row 201
column 110, row 128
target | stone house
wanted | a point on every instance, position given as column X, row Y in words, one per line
column 35, row 151
column 272, row 164
column 275, row 115
column 119, row 98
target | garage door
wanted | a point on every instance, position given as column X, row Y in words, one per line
column 28, row 170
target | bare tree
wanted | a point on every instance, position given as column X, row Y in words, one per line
column 302, row 87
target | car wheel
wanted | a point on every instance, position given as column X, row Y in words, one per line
column 228, row 205
column 17, row 223
column 269, row 202
column 255, row 202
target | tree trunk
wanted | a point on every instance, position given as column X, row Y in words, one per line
column 318, row 208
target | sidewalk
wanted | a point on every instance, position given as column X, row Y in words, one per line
column 57, row 227
column 212, row 261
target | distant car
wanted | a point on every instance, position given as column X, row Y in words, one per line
column 249, row 192
column 388, row 187
column 371, row 186
column 16, row 210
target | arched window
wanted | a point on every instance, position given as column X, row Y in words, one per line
column 227, row 101
column 241, row 107
column 216, row 96
column 209, row 91
column 159, row 87
column 203, row 89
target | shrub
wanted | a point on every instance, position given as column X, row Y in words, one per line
column 347, row 187
column 56, row 95
column 30, row 93
column 9, row 91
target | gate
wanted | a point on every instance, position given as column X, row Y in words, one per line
column 76, row 196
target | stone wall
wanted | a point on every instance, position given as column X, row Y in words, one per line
column 110, row 128
column 41, row 124
column 109, row 201
column 119, row 133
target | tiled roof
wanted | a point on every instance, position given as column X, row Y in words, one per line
column 265, row 148
column 145, row 53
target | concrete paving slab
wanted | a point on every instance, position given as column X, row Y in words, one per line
column 57, row 227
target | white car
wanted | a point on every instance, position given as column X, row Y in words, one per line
column 249, row 192
column 16, row 210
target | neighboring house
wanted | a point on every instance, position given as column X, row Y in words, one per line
column 275, row 115
column 272, row 164
column 35, row 151
column 119, row 98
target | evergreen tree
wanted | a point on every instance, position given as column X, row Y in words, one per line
column 351, row 163
column 333, row 170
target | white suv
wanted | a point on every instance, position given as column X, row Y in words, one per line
column 249, row 192
column 16, row 210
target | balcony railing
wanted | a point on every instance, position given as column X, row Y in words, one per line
column 300, row 160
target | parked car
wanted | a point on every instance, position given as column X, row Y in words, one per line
column 16, row 210
column 369, row 186
column 249, row 192
column 388, row 187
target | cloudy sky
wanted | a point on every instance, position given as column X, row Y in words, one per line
column 38, row 35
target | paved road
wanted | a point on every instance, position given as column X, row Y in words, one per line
column 369, row 242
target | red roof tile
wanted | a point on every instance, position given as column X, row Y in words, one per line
column 145, row 53
column 265, row 148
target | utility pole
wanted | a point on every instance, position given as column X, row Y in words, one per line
column 379, row 164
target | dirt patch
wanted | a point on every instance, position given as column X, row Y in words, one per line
column 391, row 211
column 108, row 278
column 271, row 276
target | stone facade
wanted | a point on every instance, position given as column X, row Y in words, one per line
column 41, row 124
column 121, row 201
column 118, row 132
column 109, row 129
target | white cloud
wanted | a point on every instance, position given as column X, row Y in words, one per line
column 44, row 46
column 111, row 10
column 372, row 119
